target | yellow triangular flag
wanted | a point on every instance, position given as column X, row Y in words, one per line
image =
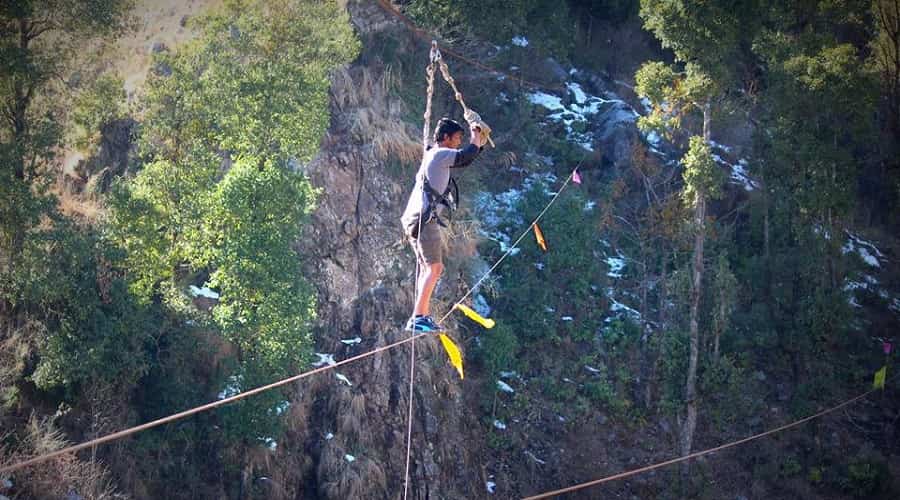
column 880, row 375
column 474, row 316
column 453, row 353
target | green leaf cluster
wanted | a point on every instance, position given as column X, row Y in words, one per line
column 545, row 23
column 219, row 200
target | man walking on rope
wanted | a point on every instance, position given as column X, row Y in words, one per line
column 430, row 199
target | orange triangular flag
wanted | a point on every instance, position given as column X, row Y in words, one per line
column 540, row 237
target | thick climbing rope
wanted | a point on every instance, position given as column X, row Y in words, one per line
column 412, row 380
column 429, row 78
column 691, row 456
column 413, row 334
column 409, row 415
column 471, row 117
column 178, row 416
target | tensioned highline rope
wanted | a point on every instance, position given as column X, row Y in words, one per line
column 514, row 245
column 640, row 470
column 177, row 416
column 215, row 404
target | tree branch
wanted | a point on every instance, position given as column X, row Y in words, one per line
column 36, row 33
column 29, row 93
column 896, row 15
column 890, row 29
column 57, row 75
column 31, row 168
column 8, row 111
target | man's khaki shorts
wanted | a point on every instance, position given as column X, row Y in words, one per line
column 428, row 245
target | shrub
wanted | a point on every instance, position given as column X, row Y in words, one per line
column 866, row 475
column 498, row 350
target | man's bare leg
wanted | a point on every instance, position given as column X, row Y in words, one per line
column 428, row 278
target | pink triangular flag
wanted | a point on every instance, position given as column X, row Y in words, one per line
column 575, row 177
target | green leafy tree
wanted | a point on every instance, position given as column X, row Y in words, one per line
column 264, row 307
column 81, row 329
column 94, row 330
column 546, row 24
column 710, row 40
column 96, row 106
column 814, row 139
column 725, row 286
column 41, row 43
column 885, row 57
column 536, row 308
column 714, row 35
column 227, row 119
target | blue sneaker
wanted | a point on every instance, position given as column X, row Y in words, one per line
column 425, row 324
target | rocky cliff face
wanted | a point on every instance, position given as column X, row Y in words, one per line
column 347, row 427
column 355, row 435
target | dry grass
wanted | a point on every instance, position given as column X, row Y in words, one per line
column 351, row 414
column 282, row 479
column 130, row 57
column 58, row 477
column 157, row 21
column 363, row 479
column 17, row 342
column 78, row 207
column 363, row 98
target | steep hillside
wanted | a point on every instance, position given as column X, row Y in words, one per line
column 584, row 375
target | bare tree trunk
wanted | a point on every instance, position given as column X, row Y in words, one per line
column 707, row 119
column 661, row 318
column 590, row 33
column 718, row 334
column 644, row 286
column 690, row 421
column 663, row 290
column 21, row 99
column 766, row 224
column 887, row 15
column 246, row 478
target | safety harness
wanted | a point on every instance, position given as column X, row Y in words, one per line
column 432, row 200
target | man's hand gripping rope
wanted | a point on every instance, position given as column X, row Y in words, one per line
column 476, row 124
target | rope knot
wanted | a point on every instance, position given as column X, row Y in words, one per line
column 435, row 52
column 475, row 120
